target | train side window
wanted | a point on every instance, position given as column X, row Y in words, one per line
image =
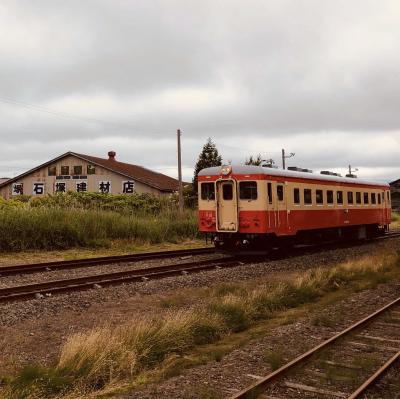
column 296, row 196
column 227, row 192
column 269, row 192
column 319, row 196
column 329, row 197
column 307, row 196
column 207, row 191
column 366, row 198
column 339, row 197
column 373, row 198
column 388, row 196
column 350, row 197
column 358, row 197
column 279, row 192
column 248, row 190
column 379, row 199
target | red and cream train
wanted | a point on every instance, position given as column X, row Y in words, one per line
column 258, row 206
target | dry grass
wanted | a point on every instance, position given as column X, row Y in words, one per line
column 395, row 220
column 106, row 359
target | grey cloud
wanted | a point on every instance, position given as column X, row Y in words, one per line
column 291, row 73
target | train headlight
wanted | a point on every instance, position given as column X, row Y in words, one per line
column 225, row 170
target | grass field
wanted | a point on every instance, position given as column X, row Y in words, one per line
column 92, row 220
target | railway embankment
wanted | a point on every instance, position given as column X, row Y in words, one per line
column 205, row 322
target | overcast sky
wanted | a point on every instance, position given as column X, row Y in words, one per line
column 320, row 78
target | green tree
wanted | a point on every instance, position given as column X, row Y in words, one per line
column 208, row 157
column 256, row 161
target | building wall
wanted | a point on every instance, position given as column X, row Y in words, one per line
column 92, row 180
column 395, row 190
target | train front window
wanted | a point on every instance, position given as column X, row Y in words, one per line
column 279, row 192
column 307, row 196
column 329, row 197
column 207, row 191
column 296, row 196
column 248, row 190
column 350, row 199
column 319, row 196
column 339, row 197
column 227, row 192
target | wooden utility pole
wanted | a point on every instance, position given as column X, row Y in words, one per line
column 180, row 172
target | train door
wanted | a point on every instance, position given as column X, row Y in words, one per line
column 277, row 207
column 281, row 207
column 382, row 206
column 227, row 213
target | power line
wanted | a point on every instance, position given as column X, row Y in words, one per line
column 71, row 116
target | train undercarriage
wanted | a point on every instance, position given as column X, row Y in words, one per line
column 263, row 243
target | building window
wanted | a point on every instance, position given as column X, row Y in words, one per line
column 78, row 170
column 279, row 192
column 248, row 190
column 207, row 191
column 65, row 170
column 350, row 199
column 319, row 196
column 358, row 197
column 52, row 171
column 366, row 198
column 91, row 170
column 227, row 192
column 307, row 196
column 373, row 198
column 329, row 197
column 296, row 196
column 339, row 197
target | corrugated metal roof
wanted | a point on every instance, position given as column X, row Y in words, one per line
column 146, row 176
column 250, row 169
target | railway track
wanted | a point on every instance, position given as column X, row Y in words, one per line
column 49, row 288
column 106, row 260
column 40, row 290
column 345, row 366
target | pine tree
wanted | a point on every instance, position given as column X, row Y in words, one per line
column 208, row 157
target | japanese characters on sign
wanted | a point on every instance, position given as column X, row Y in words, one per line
column 128, row 187
column 81, row 186
column 105, row 187
column 17, row 188
column 38, row 188
column 60, row 187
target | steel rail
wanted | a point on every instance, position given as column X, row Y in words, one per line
column 90, row 262
column 259, row 385
column 72, row 264
column 378, row 374
column 100, row 280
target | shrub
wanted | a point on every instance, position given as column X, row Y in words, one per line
column 52, row 228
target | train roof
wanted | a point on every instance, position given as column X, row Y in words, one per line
column 259, row 170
